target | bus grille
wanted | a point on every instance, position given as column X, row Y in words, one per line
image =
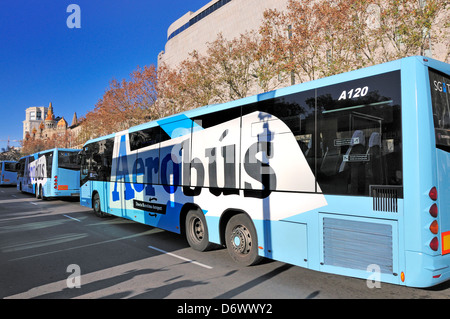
column 357, row 244
column 385, row 198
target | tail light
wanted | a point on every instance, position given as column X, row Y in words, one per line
column 56, row 182
column 434, row 210
column 434, row 227
column 433, row 193
column 434, row 244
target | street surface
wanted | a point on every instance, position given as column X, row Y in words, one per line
column 59, row 249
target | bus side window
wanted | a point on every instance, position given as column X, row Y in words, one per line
column 297, row 112
column 359, row 135
column 147, row 137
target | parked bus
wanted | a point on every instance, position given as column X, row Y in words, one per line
column 8, row 173
column 50, row 173
column 347, row 174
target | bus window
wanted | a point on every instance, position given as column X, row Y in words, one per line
column 287, row 120
column 105, row 163
column 359, row 127
column 440, row 96
column 68, row 160
column 49, row 164
column 297, row 112
column 96, row 161
column 10, row 167
column 21, row 167
column 147, row 137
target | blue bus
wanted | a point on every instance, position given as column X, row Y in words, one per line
column 50, row 173
column 347, row 174
column 8, row 173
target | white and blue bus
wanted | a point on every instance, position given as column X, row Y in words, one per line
column 50, row 173
column 347, row 174
column 8, row 173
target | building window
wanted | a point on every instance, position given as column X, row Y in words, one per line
column 198, row 17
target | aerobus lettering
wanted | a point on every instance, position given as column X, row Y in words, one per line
column 188, row 165
column 165, row 163
column 122, row 173
column 40, row 173
column 260, row 171
column 194, row 169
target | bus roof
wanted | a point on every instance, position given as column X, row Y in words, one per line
column 343, row 77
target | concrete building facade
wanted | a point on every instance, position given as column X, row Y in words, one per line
column 194, row 30
column 34, row 116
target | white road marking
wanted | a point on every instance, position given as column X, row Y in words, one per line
column 72, row 218
column 182, row 258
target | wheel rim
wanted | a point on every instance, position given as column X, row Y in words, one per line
column 241, row 240
column 97, row 205
column 197, row 230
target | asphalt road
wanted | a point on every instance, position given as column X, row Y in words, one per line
column 59, row 249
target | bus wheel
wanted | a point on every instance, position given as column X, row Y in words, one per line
column 41, row 193
column 241, row 240
column 96, row 206
column 197, row 230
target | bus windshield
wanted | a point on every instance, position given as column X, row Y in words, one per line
column 440, row 98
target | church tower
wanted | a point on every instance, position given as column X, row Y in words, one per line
column 50, row 119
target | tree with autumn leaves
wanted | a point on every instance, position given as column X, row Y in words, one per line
column 62, row 139
column 124, row 104
column 323, row 38
column 307, row 41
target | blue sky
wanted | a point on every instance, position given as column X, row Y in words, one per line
column 43, row 61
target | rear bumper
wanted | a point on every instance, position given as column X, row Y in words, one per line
column 425, row 270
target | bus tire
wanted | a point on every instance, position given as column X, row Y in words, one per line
column 241, row 240
column 41, row 193
column 196, row 230
column 97, row 206
column 38, row 191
